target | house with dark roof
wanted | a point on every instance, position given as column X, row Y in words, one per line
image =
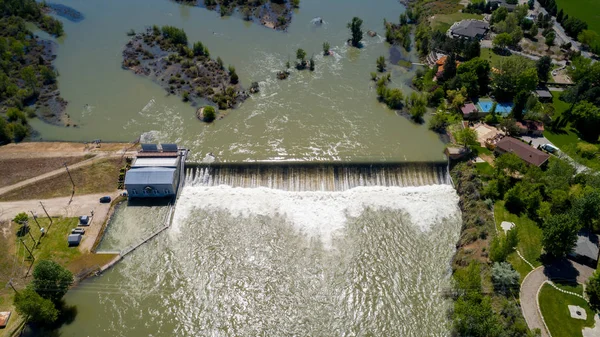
column 522, row 150
column 469, row 29
column 586, row 250
column 470, row 111
column 543, row 95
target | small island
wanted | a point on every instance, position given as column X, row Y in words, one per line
column 274, row 14
column 163, row 55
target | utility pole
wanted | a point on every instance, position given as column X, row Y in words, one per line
column 30, row 253
column 35, row 219
column 69, row 173
column 12, row 286
column 32, row 238
column 48, row 215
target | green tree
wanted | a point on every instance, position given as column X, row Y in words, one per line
column 220, row 62
column 21, row 218
column 311, row 64
column 326, row 48
column 200, row 49
column 550, row 37
column 559, row 235
column 466, row 137
column 587, row 209
column 301, row 55
column 533, row 31
column 175, row 35
column 381, row 64
column 473, row 50
column 587, row 120
column 51, row 280
column 505, row 278
column 543, row 66
column 394, row 98
column 356, row 30
column 592, row 290
column 450, row 67
column 28, row 75
column 499, row 15
column 233, row 76
column 588, row 37
column 208, row 114
column 34, row 307
column 501, row 41
column 403, row 19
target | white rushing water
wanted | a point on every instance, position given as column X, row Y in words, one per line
column 368, row 261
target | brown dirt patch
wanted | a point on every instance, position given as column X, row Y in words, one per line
column 57, row 149
column 19, row 169
column 98, row 177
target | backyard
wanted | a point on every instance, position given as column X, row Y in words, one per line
column 554, row 307
column 565, row 137
column 530, row 239
column 442, row 22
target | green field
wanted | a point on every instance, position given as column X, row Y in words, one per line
column 586, row 10
column 554, row 308
column 442, row 22
column 495, row 59
column 530, row 239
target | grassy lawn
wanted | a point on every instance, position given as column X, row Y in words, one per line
column 530, row 239
column 575, row 288
column 53, row 246
column 566, row 138
column 485, row 170
column 495, row 59
column 586, row 10
column 101, row 176
column 442, row 22
column 554, row 307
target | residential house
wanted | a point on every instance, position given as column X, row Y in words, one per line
column 543, row 95
column 469, row 29
column 527, row 153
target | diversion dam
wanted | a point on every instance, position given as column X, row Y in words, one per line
column 317, row 176
column 278, row 249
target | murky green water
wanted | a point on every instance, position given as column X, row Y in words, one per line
column 366, row 261
column 331, row 113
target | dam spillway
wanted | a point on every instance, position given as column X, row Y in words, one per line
column 316, row 176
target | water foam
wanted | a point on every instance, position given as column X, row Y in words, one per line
column 321, row 214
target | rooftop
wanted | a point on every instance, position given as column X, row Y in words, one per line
column 470, row 28
column 524, row 151
column 543, row 93
column 587, row 245
column 150, row 176
column 155, row 161
column 469, row 108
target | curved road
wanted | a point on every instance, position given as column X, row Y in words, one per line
column 534, row 281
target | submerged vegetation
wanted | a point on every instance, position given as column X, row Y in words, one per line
column 163, row 55
column 27, row 77
column 276, row 14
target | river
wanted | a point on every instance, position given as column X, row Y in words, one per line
column 329, row 114
column 239, row 261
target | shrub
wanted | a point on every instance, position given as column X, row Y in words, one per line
column 505, row 278
column 381, row 64
column 326, row 48
column 175, row 35
column 209, row 114
column 587, row 150
column 592, row 289
column 186, row 96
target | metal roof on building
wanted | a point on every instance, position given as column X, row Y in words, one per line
column 155, row 162
column 587, row 245
column 150, row 176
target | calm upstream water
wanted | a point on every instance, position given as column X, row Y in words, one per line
column 330, row 114
column 249, row 260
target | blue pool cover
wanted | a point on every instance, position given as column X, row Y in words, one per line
column 501, row 108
